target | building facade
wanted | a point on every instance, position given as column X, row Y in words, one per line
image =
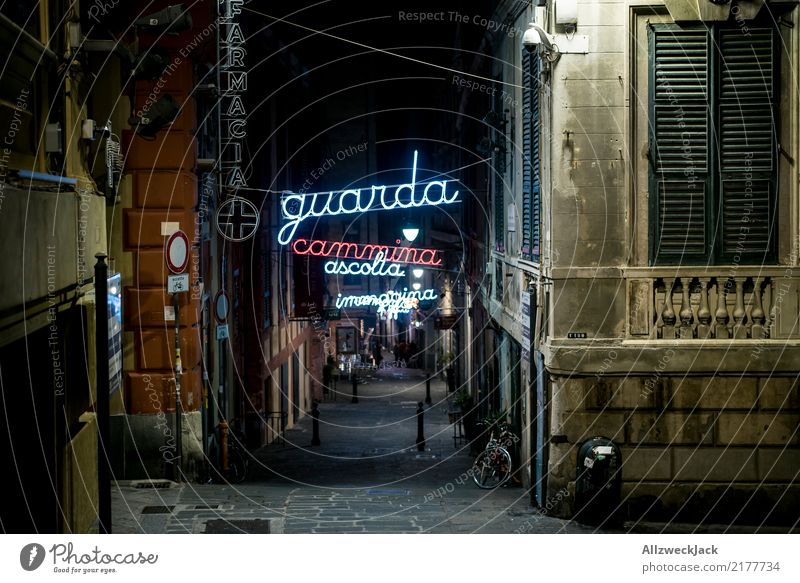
column 55, row 195
column 647, row 206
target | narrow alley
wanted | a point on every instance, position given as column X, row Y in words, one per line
column 367, row 476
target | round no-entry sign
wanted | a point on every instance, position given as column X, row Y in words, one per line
column 177, row 252
column 221, row 307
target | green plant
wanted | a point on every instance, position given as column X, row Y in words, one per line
column 495, row 417
column 462, row 399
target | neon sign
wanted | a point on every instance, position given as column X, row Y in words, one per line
column 391, row 303
column 298, row 207
column 377, row 267
column 344, row 250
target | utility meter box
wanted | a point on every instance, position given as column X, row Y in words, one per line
column 598, row 482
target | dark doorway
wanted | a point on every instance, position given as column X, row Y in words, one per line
column 284, row 394
column 295, row 387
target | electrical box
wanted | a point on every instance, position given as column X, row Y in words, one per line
column 52, row 139
column 88, row 129
column 566, row 11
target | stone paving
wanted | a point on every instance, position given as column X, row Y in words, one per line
column 366, row 477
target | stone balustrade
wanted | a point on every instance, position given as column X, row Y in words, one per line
column 682, row 304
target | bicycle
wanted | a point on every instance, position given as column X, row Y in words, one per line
column 493, row 466
column 238, row 461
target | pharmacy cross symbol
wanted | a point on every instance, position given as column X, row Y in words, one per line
column 237, row 219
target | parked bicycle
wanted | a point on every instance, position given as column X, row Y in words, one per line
column 493, row 466
column 238, row 461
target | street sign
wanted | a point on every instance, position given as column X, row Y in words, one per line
column 222, row 331
column 221, row 307
column 177, row 252
column 178, row 283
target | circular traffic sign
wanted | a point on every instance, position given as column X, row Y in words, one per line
column 177, row 252
column 221, row 307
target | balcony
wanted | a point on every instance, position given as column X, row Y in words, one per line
column 724, row 303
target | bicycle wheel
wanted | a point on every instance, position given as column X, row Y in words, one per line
column 237, row 466
column 492, row 468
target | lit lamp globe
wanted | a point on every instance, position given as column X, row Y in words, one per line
column 410, row 233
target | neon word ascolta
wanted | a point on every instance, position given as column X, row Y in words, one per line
column 343, row 250
column 378, row 267
column 297, row 207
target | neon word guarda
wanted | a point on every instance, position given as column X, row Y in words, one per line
column 390, row 302
column 298, row 207
column 344, row 250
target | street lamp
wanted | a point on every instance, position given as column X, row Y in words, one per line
column 410, row 233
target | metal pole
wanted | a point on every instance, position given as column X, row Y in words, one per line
column 102, row 410
column 178, row 408
column 428, row 390
column 420, row 427
column 315, row 423
column 355, row 387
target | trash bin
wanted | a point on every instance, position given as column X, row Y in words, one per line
column 598, row 482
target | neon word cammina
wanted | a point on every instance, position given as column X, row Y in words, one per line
column 299, row 207
column 390, row 302
column 344, row 250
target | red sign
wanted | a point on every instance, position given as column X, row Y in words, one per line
column 177, row 252
column 346, row 250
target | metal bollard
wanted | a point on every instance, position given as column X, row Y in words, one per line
column 315, row 423
column 223, row 429
column 428, row 390
column 420, row 427
column 355, row 389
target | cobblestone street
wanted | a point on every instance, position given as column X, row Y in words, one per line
column 366, row 477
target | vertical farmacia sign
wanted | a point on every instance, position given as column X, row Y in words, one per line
column 237, row 218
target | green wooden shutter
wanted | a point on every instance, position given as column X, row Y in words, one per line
column 747, row 144
column 499, row 141
column 679, row 145
column 531, row 181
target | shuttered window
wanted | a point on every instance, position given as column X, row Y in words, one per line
column 713, row 147
column 499, row 162
column 531, row 182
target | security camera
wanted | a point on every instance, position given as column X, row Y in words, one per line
column 172, row 18
column 534, row 37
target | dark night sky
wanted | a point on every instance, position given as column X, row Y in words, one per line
column 351, row 81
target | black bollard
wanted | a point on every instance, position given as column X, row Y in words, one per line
column 428, row 390
column 355, row 388
column 420, row 428
column 102, row 413
column 315, row 423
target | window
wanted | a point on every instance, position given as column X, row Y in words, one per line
column 531, row 176
column 713, row 147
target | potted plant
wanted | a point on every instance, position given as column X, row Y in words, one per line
column 462, row 400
